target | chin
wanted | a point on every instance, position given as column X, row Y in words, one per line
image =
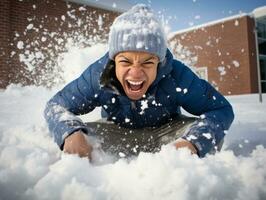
column 134, row 97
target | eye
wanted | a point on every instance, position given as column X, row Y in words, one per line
column 124, row 62
column 149, row 63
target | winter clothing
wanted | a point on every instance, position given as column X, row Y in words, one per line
column 175, row 86
column 137, row 30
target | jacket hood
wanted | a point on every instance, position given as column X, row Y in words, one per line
column 164, row 68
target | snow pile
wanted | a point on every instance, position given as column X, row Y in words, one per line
column 32, row 167
column 166, row 175
column 249, row 127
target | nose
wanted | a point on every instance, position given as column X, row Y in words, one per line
column 136, row 72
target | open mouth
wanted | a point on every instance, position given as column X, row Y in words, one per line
column 135, row 86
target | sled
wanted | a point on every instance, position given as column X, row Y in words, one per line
column 127, row 142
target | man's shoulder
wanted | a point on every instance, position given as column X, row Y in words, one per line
column 178, row 66
column 94, row 71
column 181, row 71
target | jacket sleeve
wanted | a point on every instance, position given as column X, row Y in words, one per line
column 76, row 98
column 199, row 98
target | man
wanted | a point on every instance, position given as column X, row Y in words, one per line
column 138, row 84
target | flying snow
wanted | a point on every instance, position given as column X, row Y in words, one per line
column 235, row 63
column 30, row 26
column 20, row 45
column 222, row 71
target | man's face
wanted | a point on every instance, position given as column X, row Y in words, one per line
column 136, row 71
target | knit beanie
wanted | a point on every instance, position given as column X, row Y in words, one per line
column 137, row 30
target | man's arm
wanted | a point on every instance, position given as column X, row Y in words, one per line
column 216, row 113
column 78, row 97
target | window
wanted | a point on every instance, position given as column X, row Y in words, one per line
column 263, row 73
column 261, row 29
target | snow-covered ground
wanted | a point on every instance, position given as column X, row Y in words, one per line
column 32, row 166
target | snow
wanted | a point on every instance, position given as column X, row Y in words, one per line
column 207, row 135
column 81, row 8
column 222, row 71
column 191, row 137
column 63, row 17
column 30, row 26
column 80, row 57
column 259, row 12
column 44, row 39
column 113, row 100
column 20, row 45
column 144, row 105
column 178, row 89
column 100, row 22
column 114, row 5
column 235, row 63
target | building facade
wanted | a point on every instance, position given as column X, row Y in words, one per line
column 33, row 33
column 226, row 52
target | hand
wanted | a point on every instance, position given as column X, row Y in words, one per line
column 77, row 144
column 182, row 143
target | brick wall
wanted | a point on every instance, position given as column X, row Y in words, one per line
column 227, row 49
column 34, row 32
column 252, row 56
column 4, row 41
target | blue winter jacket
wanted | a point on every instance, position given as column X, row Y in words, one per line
column 175, row 86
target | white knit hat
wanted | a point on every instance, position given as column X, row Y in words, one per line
column 137, row 30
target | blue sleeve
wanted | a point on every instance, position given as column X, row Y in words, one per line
column 76, row 98
column 199, row 98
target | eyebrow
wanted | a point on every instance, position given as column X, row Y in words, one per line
column 150, row 58
column 123, row 57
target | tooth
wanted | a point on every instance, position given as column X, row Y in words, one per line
column 135, row 83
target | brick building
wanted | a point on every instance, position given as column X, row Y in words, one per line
column 34, row 32
column 225, row 51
